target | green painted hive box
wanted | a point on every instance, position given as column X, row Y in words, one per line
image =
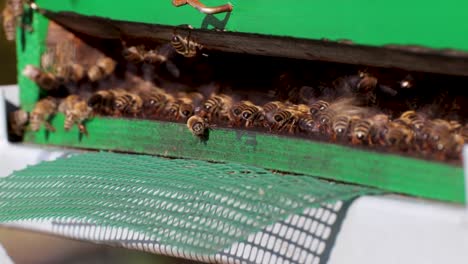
column 409, row 35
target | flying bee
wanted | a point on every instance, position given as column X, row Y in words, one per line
column 366, row 88
column 197, row 125
column 42, row 112
column 18, row 121
column 318, row 107
column 77, row 114
column 102, row 102
column 126, row 103
column 216, row 108
column 367, row 83
column 45, row 80
column 103, row 68
column 185, row 45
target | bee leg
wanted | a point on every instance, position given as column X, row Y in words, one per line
column 355, row 141
column 49, row 127
column 83, row 129
column 441, row 156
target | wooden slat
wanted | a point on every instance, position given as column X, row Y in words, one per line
column 408, row 58
column 390, row 172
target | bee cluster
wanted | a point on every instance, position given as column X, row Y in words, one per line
column 388, row 110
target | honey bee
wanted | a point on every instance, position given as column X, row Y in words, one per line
column 197, row 125
column 341, row 125
column 398, row 135
column 361, row 131
column 216, row 108
column 435, row 130
column 318, row 106
column 68, row 103
column 45, row 80
column 102, row 102
column 9, row 22
column 134, row 54
column 12, row 13
column 104, row 67
column 367, row 83
column 152, row 56
column 413, row 119
column 77, row 114
column 126, row 103
column 343, row 107
column 42, row 112
column 464, row 132
column 247, row 114
column 449, row 146
column 185, row 105
column 73, row 72
column 61, row 59
column 18, row 121
column 369, row 130
column 285, row 120
column 271, row 107
column 185, row 45
column 443, row 139
column 307, row 124
column 156, row 101
column 366, row 87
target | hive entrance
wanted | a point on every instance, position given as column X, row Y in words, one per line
column 135, row 77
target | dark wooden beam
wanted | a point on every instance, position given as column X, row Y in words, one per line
column 392, row 56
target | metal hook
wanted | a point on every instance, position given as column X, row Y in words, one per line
column 202, row 8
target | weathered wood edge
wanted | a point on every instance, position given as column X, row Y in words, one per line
column 394, row 56
column 386, row 171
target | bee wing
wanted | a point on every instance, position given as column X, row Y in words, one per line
column 387, row 90
column 172, row 69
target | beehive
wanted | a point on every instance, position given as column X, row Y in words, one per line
column 242, row 31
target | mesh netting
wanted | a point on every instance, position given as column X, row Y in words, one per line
column 189, row 205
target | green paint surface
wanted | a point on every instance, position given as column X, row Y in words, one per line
column 389, row 172
column 29, row 47
column 433, row 24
